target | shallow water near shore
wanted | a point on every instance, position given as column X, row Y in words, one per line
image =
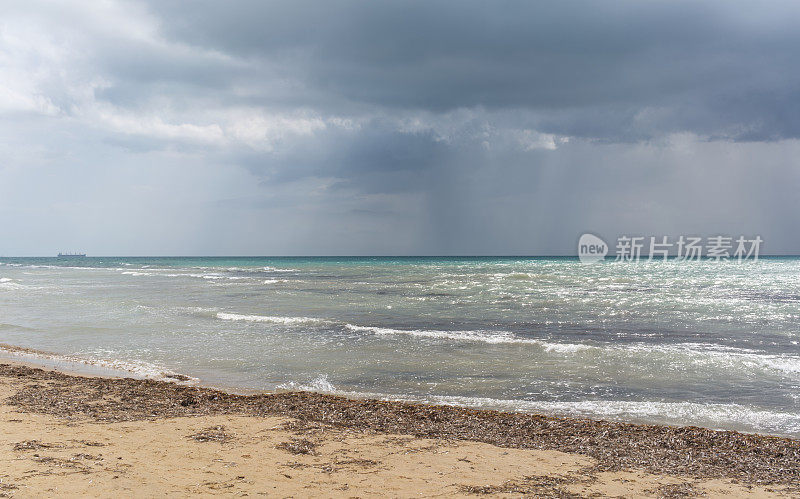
column 703, row 343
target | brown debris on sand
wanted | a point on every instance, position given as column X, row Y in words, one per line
column 675, row 491
column 298, row 446
column 531, row 486
column 687, row 451
column 88, row 443
column 6, row 489
column 212, row 434
column 35, row 445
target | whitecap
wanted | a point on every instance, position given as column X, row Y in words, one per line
column 319, row 384
column 711, row 354
column 137, row 368
column 7, row 283
column 491, row 337
column 266, row 318
column 715, row 416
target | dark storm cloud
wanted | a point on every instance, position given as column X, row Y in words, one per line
column 652, row 67
column 376, row 158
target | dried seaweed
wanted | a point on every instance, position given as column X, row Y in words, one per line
column 532, row 486
column 35, row 445
column 88, row 443
column 58, row 462
column 6, row 489
column 676, row 491
column 212, row 434
column 361, row 463
column 689, row 451
column 298, row 446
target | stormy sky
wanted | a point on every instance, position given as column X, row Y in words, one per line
column 406, row 127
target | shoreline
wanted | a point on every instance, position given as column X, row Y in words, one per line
column 80, row 366
column 695, row 454
column 92, row 367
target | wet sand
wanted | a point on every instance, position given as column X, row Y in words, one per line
column 63, row 434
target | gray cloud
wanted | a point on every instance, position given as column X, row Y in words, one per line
column 651, row 67
column 394, row 127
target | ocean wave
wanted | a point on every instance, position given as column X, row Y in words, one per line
column 699, row 353
column 139, row 369
column 267, row 318
column 712, row 354
column 718, row 416
column 319, row 384
column 10, row 284
column 248, row 270
column 491, row 337
column 564, row 347
column 210, row 276
column 35, row 266
column 478, row 336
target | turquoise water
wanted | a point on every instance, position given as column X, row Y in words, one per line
column 706, row 343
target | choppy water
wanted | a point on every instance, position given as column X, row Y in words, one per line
column 705, row 343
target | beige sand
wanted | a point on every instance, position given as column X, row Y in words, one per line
column 280, row 457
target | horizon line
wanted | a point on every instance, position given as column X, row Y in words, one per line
column 360, row 256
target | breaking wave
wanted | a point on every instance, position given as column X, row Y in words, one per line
column 267, row 318
column 138, row 369
column 716, row 416
column 491, row 337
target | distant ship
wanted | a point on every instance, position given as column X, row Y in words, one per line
column 71, row 255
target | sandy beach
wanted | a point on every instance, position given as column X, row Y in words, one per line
column 75, row 435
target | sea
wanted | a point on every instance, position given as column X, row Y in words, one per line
column 705, row 343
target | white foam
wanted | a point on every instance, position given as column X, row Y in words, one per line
column 715, row 416
column 319, row 384
column 61, row 267
column 209, row 276
column 139, row 369
column 492, row 337
column 254, row 269
column 719, row 416
column 708, row 353
column 267, row 318
column 781, row 363
column 202, row 310
column 8, row 283
column 218, row 276
column 564, row 347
